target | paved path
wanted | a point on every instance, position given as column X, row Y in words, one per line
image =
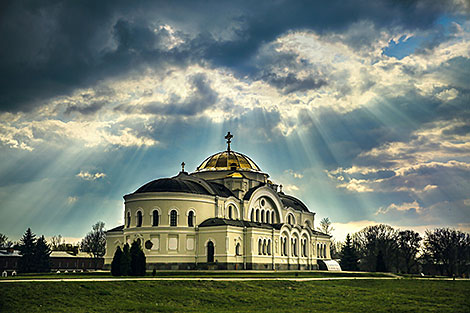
column 55, row 280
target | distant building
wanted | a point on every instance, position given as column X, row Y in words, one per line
column 226, row 214
column 60, row 260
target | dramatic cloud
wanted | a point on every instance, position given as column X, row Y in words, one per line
column 358, row 108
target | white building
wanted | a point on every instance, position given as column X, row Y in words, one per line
column 225, row 215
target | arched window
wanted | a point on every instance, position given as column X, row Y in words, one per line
column 190, row 219
column 128, row 219
column 252, row 215
column 173, row 218
column 269, row 247
column 210, row 252
column 230, row 212
column 257, row 215
column 272, row 217
column 155, row 218
column 260, row 247
column 264, row 247
column 139, row 219
column 262, row 216
column 267, row 217
column 237, row 249
column 285, row 247
column 290, row 219
column 324, row 251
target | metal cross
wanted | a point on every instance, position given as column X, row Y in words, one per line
column 228, row 137
column 182, row 166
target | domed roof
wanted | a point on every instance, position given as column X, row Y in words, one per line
column 228, row 160
column 186, row 184
column 173, row 185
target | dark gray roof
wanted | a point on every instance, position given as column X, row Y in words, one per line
column 290, row 201
column 186, row 184
column 173, row 185
column 216, row 221
column 118, row 228
column 221, row 190
column 250, row 191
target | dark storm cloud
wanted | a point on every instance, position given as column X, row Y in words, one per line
column 290, row 83
column 49, row 48
column 201, row 98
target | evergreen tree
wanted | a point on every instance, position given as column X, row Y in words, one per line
column 42, row 255
column 116, row 263
column 137, row 259
column 125, row 261
column 141, row 261
column 349, row 256
column 27, row 263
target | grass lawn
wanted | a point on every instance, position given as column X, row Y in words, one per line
column 405, row 295
column 238, row 274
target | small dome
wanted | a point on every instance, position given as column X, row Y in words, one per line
column 228, row 160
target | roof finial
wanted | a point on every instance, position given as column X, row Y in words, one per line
column 280, row 188
column 228, row 137
column 182, row 166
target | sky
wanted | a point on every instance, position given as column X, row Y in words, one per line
column 359, row 108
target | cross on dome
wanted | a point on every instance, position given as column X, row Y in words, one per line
column 182, row 166
column 229, row 136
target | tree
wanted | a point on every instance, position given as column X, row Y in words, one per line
column 95, row 241
column 41, row 255
column 125, row 261
column 349, row 256
column 373, row 239
column 325, row 226
column 137, row 259
column 448, row 249
column 116, row 263
column 4, row 242
column 408, row 242
column 57, row 242
column 27, row 262
column 380, row 263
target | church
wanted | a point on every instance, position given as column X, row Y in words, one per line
column 226, row 214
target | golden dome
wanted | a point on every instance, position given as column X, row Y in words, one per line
column 228, row 160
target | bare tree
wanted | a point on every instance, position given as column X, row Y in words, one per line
column 448, row 249
column 377, row 243
column 325, row 226
column 408, row 247
column 57, row 242
column 4, row 242
column 95, row 241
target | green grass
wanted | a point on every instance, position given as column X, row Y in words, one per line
column 226, row 274
column 405, row 295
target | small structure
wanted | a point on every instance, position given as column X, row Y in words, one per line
column 60, row 260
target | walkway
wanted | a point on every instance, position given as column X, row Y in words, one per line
column 54, row 280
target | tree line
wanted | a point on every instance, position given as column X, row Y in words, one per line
column 381, row 248
column 35, row 252
column 129, row 261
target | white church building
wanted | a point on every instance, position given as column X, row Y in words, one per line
column 226, row 214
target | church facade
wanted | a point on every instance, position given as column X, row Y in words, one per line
column 226, row 214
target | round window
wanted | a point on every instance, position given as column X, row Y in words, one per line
column 262, row 202
column 148, row 244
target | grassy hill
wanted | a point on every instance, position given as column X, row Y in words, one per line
column 404, row 295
